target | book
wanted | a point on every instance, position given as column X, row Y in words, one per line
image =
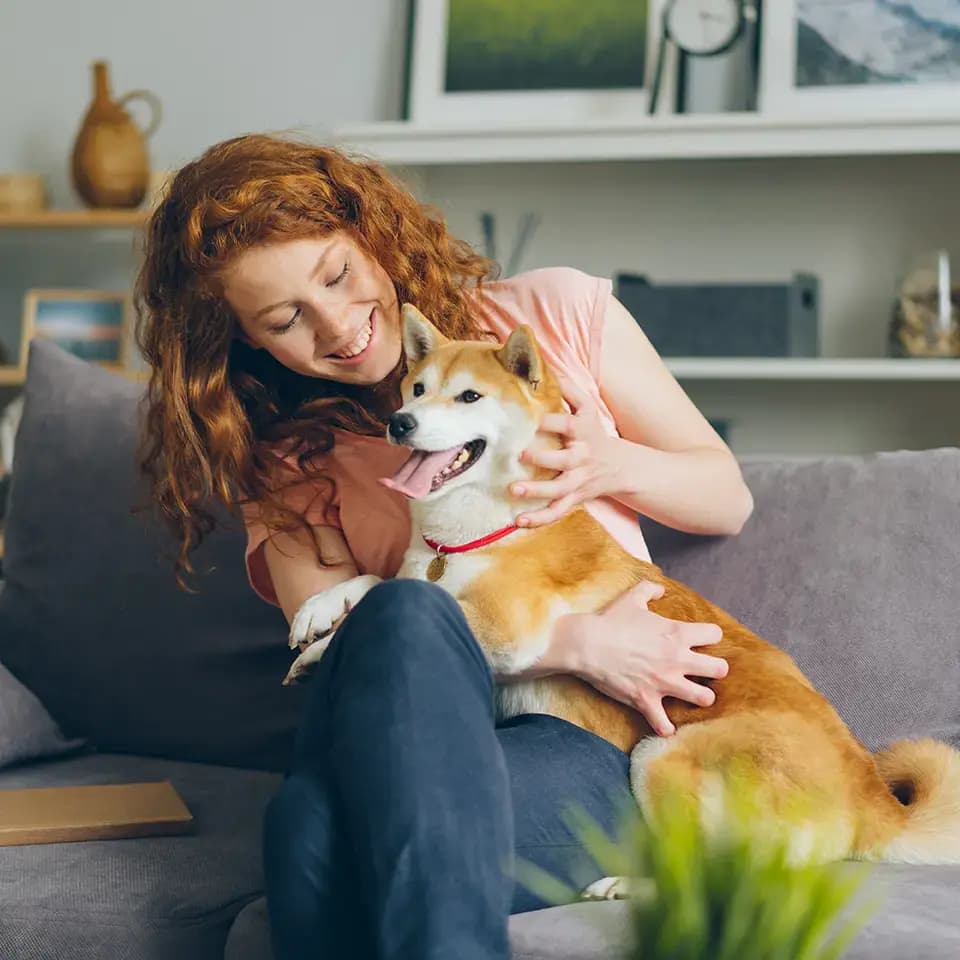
column 91, row 812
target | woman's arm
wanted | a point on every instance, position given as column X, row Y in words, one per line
column 668, row 463
column 296, row 572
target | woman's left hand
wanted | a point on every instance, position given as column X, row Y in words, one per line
column 588, row 462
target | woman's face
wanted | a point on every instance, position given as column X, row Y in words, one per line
column 320, row 306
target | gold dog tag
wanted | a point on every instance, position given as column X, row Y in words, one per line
column 437, row 568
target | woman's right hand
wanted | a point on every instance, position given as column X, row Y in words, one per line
column 638, row 657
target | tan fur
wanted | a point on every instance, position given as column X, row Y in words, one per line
column 766, row 712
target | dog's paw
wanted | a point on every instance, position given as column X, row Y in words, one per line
column 607, row 888
column 317, row 620
column 320, row 615
column 304, row 664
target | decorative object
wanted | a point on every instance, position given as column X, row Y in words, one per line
column 926, row 316
column 526, row 228
column 91, row 324
column 696, row 29
column 110, row 165
column 861, row 57
column 22, row 192
column 540, row 62
column 726, row 319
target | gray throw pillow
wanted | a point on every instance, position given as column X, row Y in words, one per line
column 91, row 618
column 27, row 731
column 850, row 564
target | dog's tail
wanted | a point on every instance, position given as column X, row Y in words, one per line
column 924, row 777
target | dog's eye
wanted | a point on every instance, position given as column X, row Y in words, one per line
column 418, row 389
column 469, row 396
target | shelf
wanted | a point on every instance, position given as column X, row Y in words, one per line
column 813, row 368
column 44, row 219
column 11, row 376
column 733, row 135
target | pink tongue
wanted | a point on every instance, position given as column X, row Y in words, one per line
column 415, row 477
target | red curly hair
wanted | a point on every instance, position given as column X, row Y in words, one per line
column 216, row 409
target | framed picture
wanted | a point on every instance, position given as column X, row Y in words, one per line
column 529, row 63
column 91, row 324
column 861, row 57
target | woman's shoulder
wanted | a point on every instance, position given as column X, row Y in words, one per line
column 564, row 306
column 558, row 287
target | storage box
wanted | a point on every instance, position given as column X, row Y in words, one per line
column 726, row 319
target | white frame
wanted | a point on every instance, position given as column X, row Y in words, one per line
column 429, row 105
column 780, row 96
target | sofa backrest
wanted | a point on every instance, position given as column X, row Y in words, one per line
column 852, row 565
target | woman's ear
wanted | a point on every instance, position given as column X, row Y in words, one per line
column 420, row 336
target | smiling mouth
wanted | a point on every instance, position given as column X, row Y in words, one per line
column 358, row 345
column 426, row 471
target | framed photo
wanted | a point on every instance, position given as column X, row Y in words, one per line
column 861, row 57
column 529, row 63
column 91, row 324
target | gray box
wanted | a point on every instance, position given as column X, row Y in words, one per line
column 726, row 319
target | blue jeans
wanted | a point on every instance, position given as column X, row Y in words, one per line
column 395, row 829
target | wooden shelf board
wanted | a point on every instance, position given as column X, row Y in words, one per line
column 45, row 219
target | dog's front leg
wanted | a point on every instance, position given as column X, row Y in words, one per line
column 318, row 618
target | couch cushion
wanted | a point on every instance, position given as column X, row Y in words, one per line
column 850, row 564
column 917, row 919
column 91, row 618
column 144, row 897
column 27, row 731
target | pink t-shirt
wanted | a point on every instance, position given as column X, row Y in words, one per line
column 565, row 308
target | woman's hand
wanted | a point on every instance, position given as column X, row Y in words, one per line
column 589, row 464
column 638, row 657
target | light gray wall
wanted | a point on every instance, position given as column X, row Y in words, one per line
column 221, row 68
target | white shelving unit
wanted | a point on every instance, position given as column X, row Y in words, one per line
column 732, row 197
column 657, row 138
column 815, row 369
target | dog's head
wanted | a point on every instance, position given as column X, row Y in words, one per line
column 469, row 409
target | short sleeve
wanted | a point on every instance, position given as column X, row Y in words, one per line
column 310, row 499
column 571, row 305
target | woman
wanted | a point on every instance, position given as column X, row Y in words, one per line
column 269, row 302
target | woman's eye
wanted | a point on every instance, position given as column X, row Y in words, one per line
column 285, row 327
column 418, row 389
column 469, row 396
column 341, row 275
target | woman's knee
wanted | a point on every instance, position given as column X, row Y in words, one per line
column 405, row 627
column 402, row 612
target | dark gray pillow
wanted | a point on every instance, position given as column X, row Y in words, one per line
column 27, row 731
column 91, row 618
column 851, row 565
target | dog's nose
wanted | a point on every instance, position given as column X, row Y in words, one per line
column 402, row 425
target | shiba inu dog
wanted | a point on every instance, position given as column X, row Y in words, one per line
column 469, row 410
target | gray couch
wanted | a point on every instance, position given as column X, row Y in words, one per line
column 851, row 564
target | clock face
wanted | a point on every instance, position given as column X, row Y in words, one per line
column 703, row 26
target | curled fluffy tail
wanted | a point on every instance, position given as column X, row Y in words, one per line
column 924, row 776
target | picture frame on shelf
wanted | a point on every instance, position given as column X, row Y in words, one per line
column 93, row 325
column 538, row 63
column 862, row 58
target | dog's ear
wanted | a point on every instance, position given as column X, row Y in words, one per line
column 520, row 356
column 420, row 336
